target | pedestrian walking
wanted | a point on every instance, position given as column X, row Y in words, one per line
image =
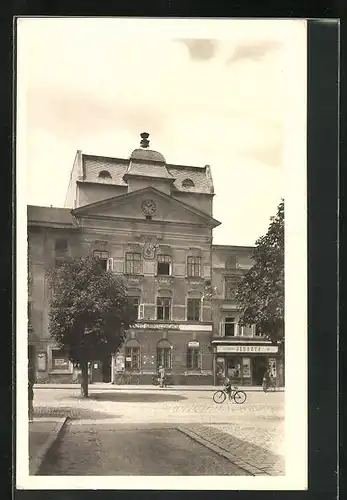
column 31, row 399
column 161, row 376
column 266, row 380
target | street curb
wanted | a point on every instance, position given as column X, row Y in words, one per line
column 234, row 459
column 139, row 388
column 46, row 446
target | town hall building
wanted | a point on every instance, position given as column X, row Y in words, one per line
column 152, row 223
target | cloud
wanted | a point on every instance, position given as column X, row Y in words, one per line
column 201, row 49
column 88, row 87
column 254, row 51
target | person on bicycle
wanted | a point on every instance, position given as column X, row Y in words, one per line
column 161, row 376
column 227, row 386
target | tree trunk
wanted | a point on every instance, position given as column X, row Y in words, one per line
column 84, row 379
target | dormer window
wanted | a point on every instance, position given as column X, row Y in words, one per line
column 104, row 174
column 188, row 183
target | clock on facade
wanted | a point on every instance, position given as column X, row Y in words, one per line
column 148, row 207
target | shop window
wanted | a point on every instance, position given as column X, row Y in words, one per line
column 132, row 358
column 194, row 266
column 193, row 358
column 193, row 309
column 132, row 263
column 229, row 327
column 234, row 367
column 164, row 265
column 41, row 361
column 246, row 367
column 164, row 355
column 163, row 308
column 60, row 361
column 102, row 258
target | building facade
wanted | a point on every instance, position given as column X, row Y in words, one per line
column 152, row 223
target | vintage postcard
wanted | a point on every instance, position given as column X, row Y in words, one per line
column 161, row 266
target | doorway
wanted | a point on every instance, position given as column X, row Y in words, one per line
column 101, row 370
column 258, row 369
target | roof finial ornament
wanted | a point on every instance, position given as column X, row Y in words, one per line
column 144, row 140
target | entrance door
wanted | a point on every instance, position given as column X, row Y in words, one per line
column 258, row 369
column 106, row 370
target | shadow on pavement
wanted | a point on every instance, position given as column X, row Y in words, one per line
column 72, row 413
column 142, row 397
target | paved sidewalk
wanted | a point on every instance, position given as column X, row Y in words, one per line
column 43, row 432
column 253, row 458
column 181, row 388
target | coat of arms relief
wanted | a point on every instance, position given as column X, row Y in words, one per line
column 149, row 249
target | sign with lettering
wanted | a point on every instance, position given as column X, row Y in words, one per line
column 193, row 343
column 157, row 326
column 248, row 348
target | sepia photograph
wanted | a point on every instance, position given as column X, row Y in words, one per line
column 161, row 267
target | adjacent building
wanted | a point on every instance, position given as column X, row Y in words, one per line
column 151, row 222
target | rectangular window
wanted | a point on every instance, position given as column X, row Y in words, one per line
column 256, row 332
column 163, row 308
column 193, row 309
column 61, row 245
column 193, row 358
column 132, row 359
column 229, row 327
column 164, row 357
column 60, row 361
column 164, row 265
column 132, row 263
column 135, row 302
column 194, row 266
column 102, row 258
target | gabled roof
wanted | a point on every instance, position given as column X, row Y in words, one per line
column 85, row 210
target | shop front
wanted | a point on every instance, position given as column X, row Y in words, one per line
column 245, row 363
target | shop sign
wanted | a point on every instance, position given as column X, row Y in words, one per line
column 157, row 326
column 193, row 343
column 248, row 348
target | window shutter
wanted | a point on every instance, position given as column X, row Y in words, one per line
column 221, row 328
column 141, row 311
column 110, row 264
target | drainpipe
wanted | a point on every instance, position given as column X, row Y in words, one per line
column 113, row 368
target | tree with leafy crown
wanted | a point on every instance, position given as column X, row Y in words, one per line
column 90, row 312
column 260, row 294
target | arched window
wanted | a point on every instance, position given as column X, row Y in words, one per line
column 132, row 355
column 164, row 356
column 104, row 174
column 188, row 183
column 193, row 355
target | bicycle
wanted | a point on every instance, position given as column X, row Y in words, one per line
column 235, row 394
column 156, row 381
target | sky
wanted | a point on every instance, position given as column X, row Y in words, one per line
column 209, row 92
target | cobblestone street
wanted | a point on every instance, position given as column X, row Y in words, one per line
column 157, row 432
